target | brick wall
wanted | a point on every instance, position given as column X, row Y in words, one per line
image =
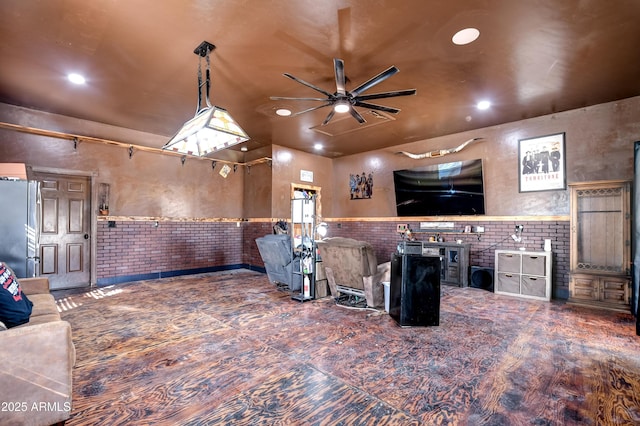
column 251, row 231
column 137, row 249
column 384, row 238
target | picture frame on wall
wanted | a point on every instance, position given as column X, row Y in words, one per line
column 541, row 163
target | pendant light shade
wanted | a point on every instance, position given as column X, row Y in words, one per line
column 212, row 128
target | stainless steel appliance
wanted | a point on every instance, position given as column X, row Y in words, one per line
column 19, row 226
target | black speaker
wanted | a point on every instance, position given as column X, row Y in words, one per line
column 481, row 277
column 415, row 290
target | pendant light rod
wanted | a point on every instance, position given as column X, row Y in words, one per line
column 203, row 50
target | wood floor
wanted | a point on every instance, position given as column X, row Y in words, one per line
column 229, row 348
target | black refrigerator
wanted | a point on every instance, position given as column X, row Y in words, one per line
column 414, row 294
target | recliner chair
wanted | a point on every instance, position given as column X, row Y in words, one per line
column 276, row 254
column 351, row 267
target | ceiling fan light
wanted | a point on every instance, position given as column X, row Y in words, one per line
column 342, row 107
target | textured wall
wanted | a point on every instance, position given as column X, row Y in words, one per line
column 286, row 170
column 147, row 184
column 599, row 146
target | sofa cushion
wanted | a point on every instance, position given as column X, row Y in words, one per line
column 43, row 304
column 40, row 319
column 15, row 307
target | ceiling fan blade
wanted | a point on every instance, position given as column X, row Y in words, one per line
column 378, row 107
column 311, row 109
column 375, row 80
column 284, row 98
column 338, row 65
column 357, row 115
column 393, row 94
column 316, row 88
column 329, row 117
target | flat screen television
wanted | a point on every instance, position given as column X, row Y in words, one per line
column 444, row 189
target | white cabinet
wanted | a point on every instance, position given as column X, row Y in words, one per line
column 523, row 273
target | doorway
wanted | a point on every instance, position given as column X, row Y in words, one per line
column 311, row 191
column 65, row 226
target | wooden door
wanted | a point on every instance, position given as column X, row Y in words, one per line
column 65, row 223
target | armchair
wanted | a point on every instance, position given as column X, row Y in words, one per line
column 351, row 267
column 277, row 254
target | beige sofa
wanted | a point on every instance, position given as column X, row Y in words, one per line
column 36, row 362
column 351, row 268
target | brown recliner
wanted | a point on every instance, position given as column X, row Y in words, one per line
column 351, row 267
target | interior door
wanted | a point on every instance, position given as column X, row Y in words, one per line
column 65, row 223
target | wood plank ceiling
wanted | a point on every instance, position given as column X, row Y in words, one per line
column 532, row 58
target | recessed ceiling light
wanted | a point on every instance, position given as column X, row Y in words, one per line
column 76, row 78
column 465, row 36
column 318, row 146
column 482, row 105
column 283, row 112
column 244, row 149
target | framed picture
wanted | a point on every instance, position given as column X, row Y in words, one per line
column 541, row 163
column 361, row 186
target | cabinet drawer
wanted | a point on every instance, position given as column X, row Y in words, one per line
column 615, row 290
column 614, row 284
column 534, row 265
column 534, row 286
column 508, row 283
column 508, row 262
column 583, row 288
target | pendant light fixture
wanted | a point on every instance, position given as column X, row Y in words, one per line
column 212, row 128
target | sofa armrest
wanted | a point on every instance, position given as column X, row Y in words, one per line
column 383, row 273
column 37, row 285
column 36, row 367
column 373, row 288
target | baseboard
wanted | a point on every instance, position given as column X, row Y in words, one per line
column 102, row 282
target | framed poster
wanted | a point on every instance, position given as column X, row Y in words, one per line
column 361, row 186
column 541, row 165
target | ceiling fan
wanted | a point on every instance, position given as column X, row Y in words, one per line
column 344, row 100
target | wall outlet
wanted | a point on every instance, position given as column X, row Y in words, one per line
column 402, row 228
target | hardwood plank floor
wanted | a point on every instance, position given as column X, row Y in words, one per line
column 229, row 348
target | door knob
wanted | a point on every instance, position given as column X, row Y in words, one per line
column 86, row 236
